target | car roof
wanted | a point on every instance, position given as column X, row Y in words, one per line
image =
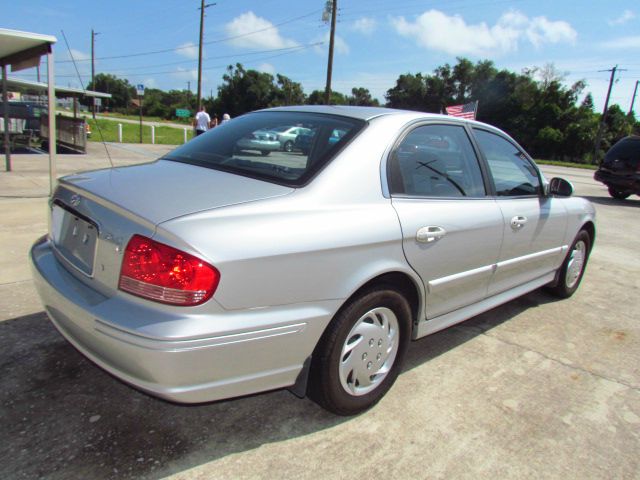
column 362, row 113
column 369, row 113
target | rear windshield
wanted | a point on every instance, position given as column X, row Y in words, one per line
column 281, row 147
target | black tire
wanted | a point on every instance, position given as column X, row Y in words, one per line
column 264, row 153
column 568, row 284
column 619, row 194
column 288, row 146
column 325, row 384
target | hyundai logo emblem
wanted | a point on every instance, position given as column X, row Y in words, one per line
column 75, row 200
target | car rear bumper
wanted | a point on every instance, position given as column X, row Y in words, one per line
column 266, row 353
column 629, row 183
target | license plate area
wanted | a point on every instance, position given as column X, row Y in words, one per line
column 74, row 238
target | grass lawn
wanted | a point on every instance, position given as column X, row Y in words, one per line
column 584, row 166
column 186, row 121
column 131, row 133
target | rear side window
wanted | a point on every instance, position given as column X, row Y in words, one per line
column 436, row 161
column 282, row 147
column 513, row 174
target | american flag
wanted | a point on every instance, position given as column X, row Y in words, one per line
column 468, row 110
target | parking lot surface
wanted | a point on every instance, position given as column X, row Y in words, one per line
column 537, row 388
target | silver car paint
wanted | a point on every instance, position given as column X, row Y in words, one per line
column 141, row 189
column 288, row 259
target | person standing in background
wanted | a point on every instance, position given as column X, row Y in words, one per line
column 202, row 121
column 225, row 118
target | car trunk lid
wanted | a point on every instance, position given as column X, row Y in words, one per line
column 94, row 214
column 164, row 189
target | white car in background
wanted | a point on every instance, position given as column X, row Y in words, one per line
column 287, row 136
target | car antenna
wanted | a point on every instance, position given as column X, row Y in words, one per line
column 85, row 92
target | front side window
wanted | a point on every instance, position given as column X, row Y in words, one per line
column 435, row 161
column 281, row 147
column 513, row 174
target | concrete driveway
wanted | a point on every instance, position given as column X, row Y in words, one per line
column 538, row 388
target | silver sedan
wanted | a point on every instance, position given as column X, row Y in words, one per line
column 213, row 273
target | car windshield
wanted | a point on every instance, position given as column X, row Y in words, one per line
column 250, row 145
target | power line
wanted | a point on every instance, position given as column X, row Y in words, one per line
column 233, row 55
column 166, row 50
column 287, row 51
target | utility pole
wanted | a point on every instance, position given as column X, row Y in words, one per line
column 93, row 70
column 202, row 7
column 333, row 4
column 633, row 99
column 604, row 112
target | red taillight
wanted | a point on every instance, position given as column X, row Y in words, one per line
column 165, row 274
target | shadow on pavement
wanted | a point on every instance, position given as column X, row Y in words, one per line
column 63, row 417
column 613, row 202
column 439, row 343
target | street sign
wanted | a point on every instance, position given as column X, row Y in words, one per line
column 183, row 112
column 140, row 89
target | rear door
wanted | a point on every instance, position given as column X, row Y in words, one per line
column 452, row 231
column 534, row 224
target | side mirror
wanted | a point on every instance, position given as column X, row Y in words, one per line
column 560, row 187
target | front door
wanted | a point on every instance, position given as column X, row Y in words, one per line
column 534, row 224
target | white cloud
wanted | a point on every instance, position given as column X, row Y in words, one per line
column 189, row 50
column 185, row 74
column 623, row 43
column 541, row 31
column 339, row 45
column 251, row 31
column 435, row 30
column 624, row 17
column 150, row 83
column 266, row 68
column 68, row 68
column 365, row 25
column 77, row 55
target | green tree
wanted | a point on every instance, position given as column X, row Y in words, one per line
column 317, row 98
column 409, row 93
column 289, row 92
column 120, row 89
column 362, row 97
column 244, row 90
column 247, row 90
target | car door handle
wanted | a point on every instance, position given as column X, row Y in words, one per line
column 430, row 234
column 518, row 222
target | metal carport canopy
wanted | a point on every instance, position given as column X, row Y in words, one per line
column 22, row 50
column 20, row 83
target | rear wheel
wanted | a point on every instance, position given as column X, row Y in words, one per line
column 573, row 267
column 288, row 146
column 361, row 353
column 619, row 194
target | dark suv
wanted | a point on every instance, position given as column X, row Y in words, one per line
column 620, row 169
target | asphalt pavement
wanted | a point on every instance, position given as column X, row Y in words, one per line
column 537, row 388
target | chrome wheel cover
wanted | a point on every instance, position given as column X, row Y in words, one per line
column 576, row 264
column 369, row 351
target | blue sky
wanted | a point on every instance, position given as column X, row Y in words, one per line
column 377, row 40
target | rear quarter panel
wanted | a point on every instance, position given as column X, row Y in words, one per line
column 321, row 242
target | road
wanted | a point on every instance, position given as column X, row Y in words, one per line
column 537, row 388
